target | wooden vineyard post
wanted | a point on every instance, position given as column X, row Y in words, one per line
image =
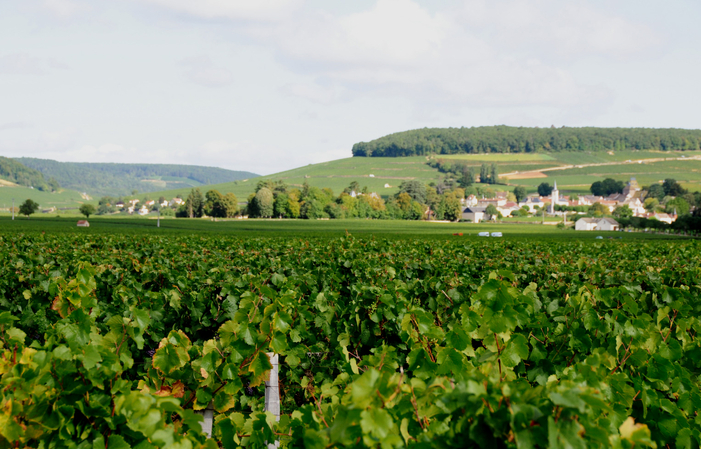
column 272, row 393
column 208, row 422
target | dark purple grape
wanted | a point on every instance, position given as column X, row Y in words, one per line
column 248, row 390
column 150, row 352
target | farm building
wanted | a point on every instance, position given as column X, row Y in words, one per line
column 83, row 223
column 596, row 224
column 474, row 214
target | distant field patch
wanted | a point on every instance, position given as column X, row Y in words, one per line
column 526, row 175
column 499, row 157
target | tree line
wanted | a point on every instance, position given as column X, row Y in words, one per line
column 508, row 139
column 275, row 199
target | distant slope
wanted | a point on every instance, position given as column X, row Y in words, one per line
column 102, row 179
column 508, row 139
column 61, row 200
column 18, row 173
column 335, row 175
column 573, row 171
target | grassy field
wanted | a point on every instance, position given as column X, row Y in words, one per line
column 307, row 228
column 64, row 199
column 500, row 157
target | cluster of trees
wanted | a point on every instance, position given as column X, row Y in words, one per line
column 507, row 139
column 122, row 179
column 413, row 201
column 607, row 187
column 212, row 204
column 14, row 171
column 489, row 174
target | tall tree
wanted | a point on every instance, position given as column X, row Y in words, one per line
column 492, row 211
column 87, row 210
column 28, row 207
column 467, row 178
column 415, row 189
column 231, row 205
column 545, row 189
column 672, row 188
column 520, row 194
column 494, row 174
column 194, row 204
column 484, row 174
column 214, row 204
column 264, row 202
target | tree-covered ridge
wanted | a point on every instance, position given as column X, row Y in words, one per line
column 101, row 179
column 13, row 171
column 509, row 139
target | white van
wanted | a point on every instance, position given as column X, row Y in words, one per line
column 496, row 234
column 483, row 234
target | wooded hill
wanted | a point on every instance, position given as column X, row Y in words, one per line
column 508, row 139
column 17, row 173
column 100, row 179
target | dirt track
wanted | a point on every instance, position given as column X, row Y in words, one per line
column 540, row 174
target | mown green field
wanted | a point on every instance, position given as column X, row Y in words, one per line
column 63, row 199
column 500, row 157
column 310, row 228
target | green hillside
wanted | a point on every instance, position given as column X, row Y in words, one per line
column 102, row 179
column 61, row 200
column 574, row 172
column 13, row 172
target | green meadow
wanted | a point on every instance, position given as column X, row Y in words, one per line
column 307, row 228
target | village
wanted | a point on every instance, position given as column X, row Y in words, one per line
column 476, row 209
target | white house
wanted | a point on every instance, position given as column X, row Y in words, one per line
column 143, row 210
column 531, row 203
column 176, row 202
column 596, row 224
column 83, row 224
column 474, row 214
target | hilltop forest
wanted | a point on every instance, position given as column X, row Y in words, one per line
column 507, row 139
column 13, row 171
column 122, row 179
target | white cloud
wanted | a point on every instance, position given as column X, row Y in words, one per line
column 555, row 29
column 502, row 53
column 200, row 70
column 25, row 64
column 316, row 93
column 259, row 10
column 63, row 9
column 21, row 64
column 14, row 125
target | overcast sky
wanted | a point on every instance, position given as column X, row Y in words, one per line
column 269, row 85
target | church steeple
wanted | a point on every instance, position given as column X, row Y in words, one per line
column 554, row 198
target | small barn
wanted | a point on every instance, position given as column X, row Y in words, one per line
column 83, row 223
column 596, row 224
column 473, row 213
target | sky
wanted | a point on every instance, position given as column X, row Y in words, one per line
column 271, row 85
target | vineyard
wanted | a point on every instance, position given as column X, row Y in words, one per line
column 114, row 341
